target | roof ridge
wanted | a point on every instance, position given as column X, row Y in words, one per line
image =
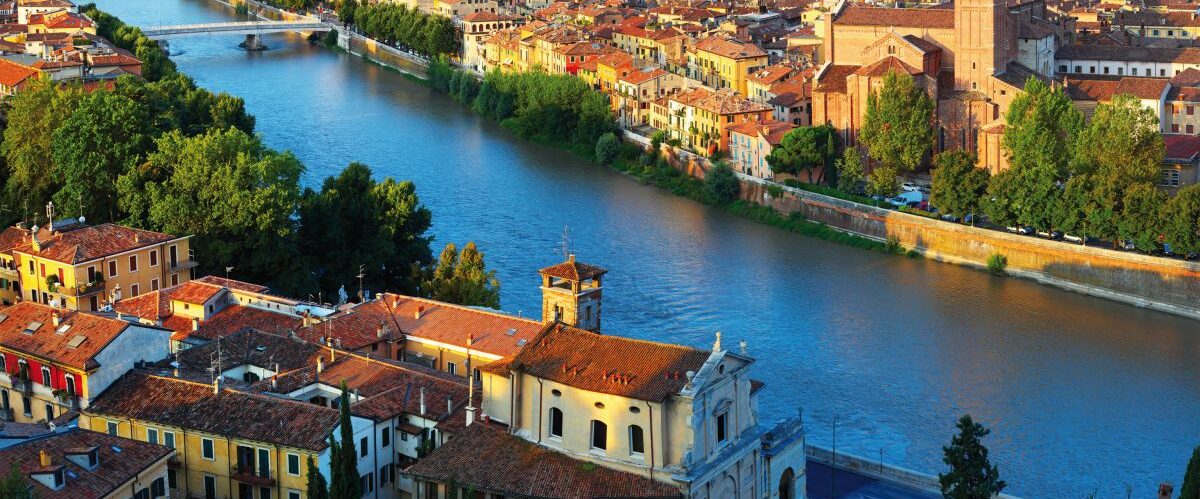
column 497, row 313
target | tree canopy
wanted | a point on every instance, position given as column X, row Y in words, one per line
column 804, row 148
column 1041, row 125
column 1190, row 489
column 316, row 488
column 898, row 126
column 971, row 475
column 462, row 278
column 958, row 184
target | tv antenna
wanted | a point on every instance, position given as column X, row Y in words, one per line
column 565, row 247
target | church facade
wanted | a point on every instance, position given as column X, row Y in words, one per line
column 971, row 56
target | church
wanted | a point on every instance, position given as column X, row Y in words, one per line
column 971, row 56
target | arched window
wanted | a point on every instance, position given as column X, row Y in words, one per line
column 556, row 422
column 787, row 485
column 636, row 444
column 599, row 435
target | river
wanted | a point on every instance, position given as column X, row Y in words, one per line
column 1083, row 395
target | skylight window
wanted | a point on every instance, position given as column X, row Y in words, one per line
column 33, row 327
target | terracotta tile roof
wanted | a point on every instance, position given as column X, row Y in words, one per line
column 438, row 321
column 13, row 74
column 1181, row 148
column 195, row 293
column 486, row 16
column 639, row 76
column 174, row 402
column 726, row 47
column 790, row 92
column 772, row 130
column 833, row 80
column 922, row 44
column 771, row 74
column 625, row 367
column 490, row 460
column 887, row 65
column 115, row 468
column 232, row 284
column 253, row 347
column 46, row 342
column 10, row 238
column 1142, row 88
column 1091, row 89
column 573, row 270
column 861, row 15
column 92, row 242
column 724, row 102
column 1186, row 55
column 113, row 60
column 233, row 319
column 153, row 306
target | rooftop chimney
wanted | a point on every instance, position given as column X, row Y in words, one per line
column 571, row 258
column 320, row 364
column 1165, row 489
column 449, row 405
column 422, row 401
column 274, row 382
column 420, row 310
column 195, row 324
column 55, row 318
column 217, row 385
column 43, row 458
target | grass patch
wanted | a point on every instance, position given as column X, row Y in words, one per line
column 834, row 193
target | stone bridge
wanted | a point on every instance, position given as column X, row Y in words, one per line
column 250, row 29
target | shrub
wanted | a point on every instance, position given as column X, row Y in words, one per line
column 997, row 263
column 721, row 184
column 882, row 182
column 893, row 246
column 608, row 146
column 774, row 190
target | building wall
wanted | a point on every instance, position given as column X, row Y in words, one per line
column 73, row 291
column 137, row 343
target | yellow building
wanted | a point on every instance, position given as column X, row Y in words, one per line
column 80, row 463
column 61, row 21
column 80, row 267
column 230, row 443
column 10, row 276
column 721, row 62
column 54, row 361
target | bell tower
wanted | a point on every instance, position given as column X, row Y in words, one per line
column 982, row 35
column 571, row 294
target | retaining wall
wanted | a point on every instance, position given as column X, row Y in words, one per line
column 1165, row 284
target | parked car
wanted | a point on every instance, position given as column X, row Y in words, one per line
column 1049, row 234
column 910, row 187
column 1072, row 238
column 1126, row 245
column 904, row 198
column 1020, row 229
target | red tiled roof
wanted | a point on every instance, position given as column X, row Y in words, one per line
column 13, row 74
column 114, row 469
column 10, row 238
column 833, row 80
column 887, row 65
column 1142, row 88
column 438, row 321
column 89, row 243
column 573, row 270
column 232, row 319
column 196, row 293
column 174, row 402
column 489, row 459
column 232, row 284
column 637, row 77
column 732, row 49
column 1181, row 147
column 389, row 389
column 861, row 15
column 252, row 347
column 47, row 343
column 152, row 306
column 625, row 367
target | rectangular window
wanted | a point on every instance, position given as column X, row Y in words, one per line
column 722, row 429
column 451, row 368
column 362, row 447
column 1189, row 129
column 385, row 437
column 169, row 439
column 293, row 494
column 206, row 449
column 1174, row 128
column 112, row 428
column 92, row 274
column 293, row 464
column 152, row 436
column 153, row 258
column 45, row 375
column 27, row 406
column 172, row 479
column 210, row 487
column 1191, row 110
column 42, row 268
column 133, row 263
column 135, row 290
column 153, row 284
column 112, row 269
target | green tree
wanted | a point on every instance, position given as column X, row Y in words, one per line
column 958, row 185
column 1139, row 219
column 15, row 486
column 345, row 482
column 237, row 196
column 1041, row 126
column 1191, row 478
column 608, row 147
column 1027, row 196
column 1123, row 140
column 1069, row 215
column 316, row 486
column 721, row 184
column 971, row 475
column 897, row 128
column 1181, row 220
column 462, row 278
column 104, row 136
column 354, row 220
column 804, row 148
column 34, row 114
column 849, row 170
column 882, row 182
column 346, row 11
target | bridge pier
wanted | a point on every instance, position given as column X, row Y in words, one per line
column 253, row 43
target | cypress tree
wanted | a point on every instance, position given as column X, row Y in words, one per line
column 1191, row 478
column 971, row 476
column 317, row 489
column 346, row 483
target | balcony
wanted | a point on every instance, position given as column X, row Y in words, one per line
column 23, row 385
column 79, row 291
column 6, row 414
column 251, row 475
column 69, row 400
column 181, row 266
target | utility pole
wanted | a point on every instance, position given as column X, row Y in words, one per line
column 362, row 272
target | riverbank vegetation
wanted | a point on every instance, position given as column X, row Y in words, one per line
column 397, row 25
column 162, row 154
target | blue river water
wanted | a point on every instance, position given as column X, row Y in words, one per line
column 1083, row 395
